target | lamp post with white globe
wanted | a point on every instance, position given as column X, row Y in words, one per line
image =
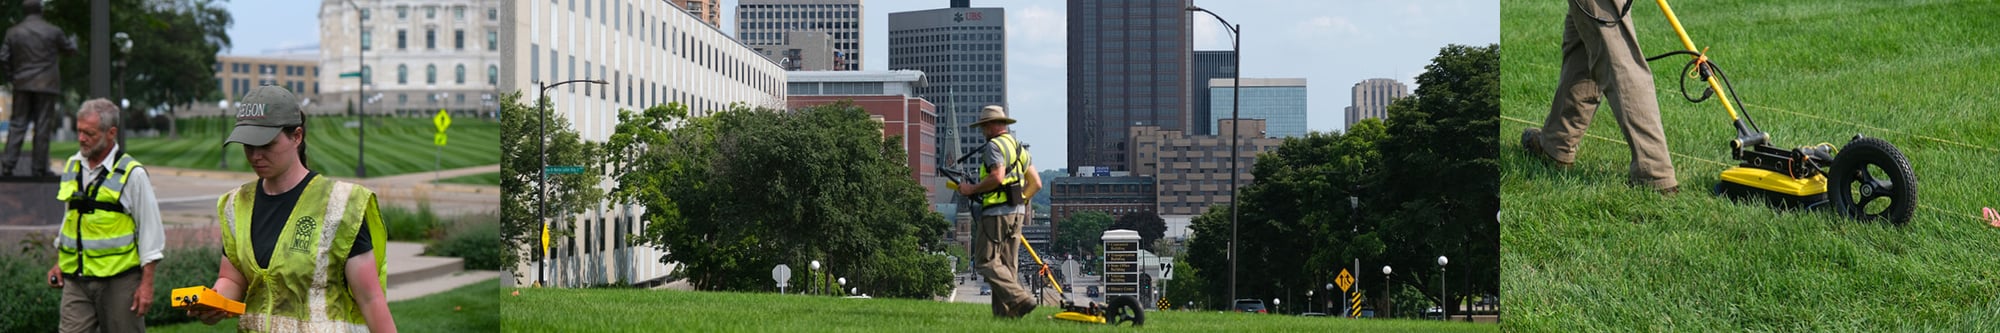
column 1444, row 297
column 816, row 280
column 843, row 283
column 1329, row 293
column 1385, row 290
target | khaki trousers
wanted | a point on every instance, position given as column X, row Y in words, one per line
column 101, row 305
column 1604, row 61
column 996, row 250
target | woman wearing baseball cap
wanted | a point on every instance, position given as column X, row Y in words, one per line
column 301, row 251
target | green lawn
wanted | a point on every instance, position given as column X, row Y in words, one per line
column 487, row 179
column 396, row 145
column 472, row 308
column 633, row 310
column 1585, row 253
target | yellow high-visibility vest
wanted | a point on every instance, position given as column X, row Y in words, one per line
column 1010, row 151
column 97, row 238
column 305, row 288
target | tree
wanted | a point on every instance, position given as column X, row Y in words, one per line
column 1081, row 232
column 1207, row 263
column 1150, row 226
column 1443, row 157
column 732, row 194
column 1187, row 285
column 1426, row 183
column 520, row 166
column 174, row 43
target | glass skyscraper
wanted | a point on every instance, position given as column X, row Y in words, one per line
column 1280, row 102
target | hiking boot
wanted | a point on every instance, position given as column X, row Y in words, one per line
column 1671, row 191
column 1023, row 310
column 1530, row 141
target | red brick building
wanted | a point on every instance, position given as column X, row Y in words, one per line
column 887, row 95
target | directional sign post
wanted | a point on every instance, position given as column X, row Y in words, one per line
column 1345, row 281
column 1121, row 263
column 443, row 121
column 350, row 75
column 563, row 169
column 545, row 251
column 783, row 274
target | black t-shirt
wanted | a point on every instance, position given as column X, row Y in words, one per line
column 270, row 213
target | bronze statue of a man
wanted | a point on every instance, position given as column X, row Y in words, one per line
column 33, row 52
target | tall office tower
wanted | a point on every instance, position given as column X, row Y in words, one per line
column 1207, row 65
column 963, row 53
column 765, row 22
column 1281, row 102
column 1128, row 66
column 1372, row 98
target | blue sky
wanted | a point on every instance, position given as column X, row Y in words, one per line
column 1333, row 44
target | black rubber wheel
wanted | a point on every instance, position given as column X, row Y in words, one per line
column 1868, row 171
column 1125, row 309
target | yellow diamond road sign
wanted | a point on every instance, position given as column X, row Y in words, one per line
column 443, row 121
column 1344, row 280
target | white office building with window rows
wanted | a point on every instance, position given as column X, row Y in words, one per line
column 651, row 52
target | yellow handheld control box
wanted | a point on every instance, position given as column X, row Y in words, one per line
column 202, row 298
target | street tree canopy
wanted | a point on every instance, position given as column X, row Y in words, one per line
column 1425, row 184
column 730, row 195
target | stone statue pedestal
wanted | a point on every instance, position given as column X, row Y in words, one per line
column 30, row 201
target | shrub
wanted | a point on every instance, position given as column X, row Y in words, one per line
column 478, row 242
column 31, row 306
column 410, row 225
column 181, row 268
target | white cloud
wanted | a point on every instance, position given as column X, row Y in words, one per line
column 1329, row 26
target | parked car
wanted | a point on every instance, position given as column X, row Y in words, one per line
column 985, row 290
column 1488, row 301
column 1091, row 292
column 1251, row 305
column 1434, row 313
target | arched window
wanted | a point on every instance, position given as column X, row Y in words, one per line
column 367, row 76
column 461, row 73
column 402, row 74
column 493, row 74
column 430, row 74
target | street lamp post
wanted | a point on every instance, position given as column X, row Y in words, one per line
column 1385, row 291
column 542, row 182
column 1444, row 299
column 360, row 90
column 1235, row 133
column 1329, row 293
column 1310, row 300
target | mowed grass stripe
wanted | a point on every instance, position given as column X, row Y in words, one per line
column 395, row 146
column 1583, row 252
column 638, row 310
column 1972, row 216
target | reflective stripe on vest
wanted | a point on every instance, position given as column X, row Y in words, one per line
column 97, row 238
column 1010, row 152
column 305, row 286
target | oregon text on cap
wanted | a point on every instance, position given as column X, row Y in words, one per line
column 249, row 111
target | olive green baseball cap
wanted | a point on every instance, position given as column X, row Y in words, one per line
column 262, row 113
